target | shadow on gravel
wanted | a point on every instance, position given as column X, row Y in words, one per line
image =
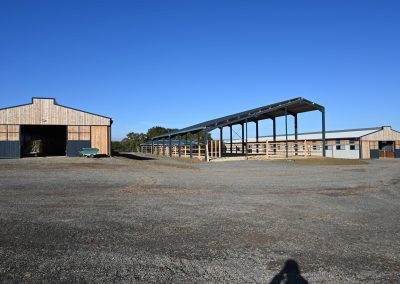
column 290, row 273
column 133, row 157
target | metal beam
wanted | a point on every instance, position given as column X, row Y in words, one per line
column 274, row 128
column 205, row 144
column 323, row 133
column 191, row 145
column 220, row 141
column 295, row 128
column 231, row 138
column 295, row 132
column 286, row 128
column 260, row 113
column 243, row 137
column 247, row 147
column 245, row 115
column 256, row 135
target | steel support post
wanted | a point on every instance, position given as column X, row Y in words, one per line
column 247, row 145
column 296, row 132
column 221, row 137
column 206, row 145
column 323, row 133
column 286, row 131
column 257, row 136
column 242, row 138
column 231, row 137
column 191, row 145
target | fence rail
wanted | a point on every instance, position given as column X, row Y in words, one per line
column 216, row 149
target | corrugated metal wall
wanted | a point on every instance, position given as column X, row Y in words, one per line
column 73, row 147
column 10, row 149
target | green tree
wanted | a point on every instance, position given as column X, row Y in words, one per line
column 158, row 130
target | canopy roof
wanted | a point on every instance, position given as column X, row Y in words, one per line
column 292, row 107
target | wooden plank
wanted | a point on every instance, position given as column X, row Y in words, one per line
column 46, row 112
column 13, row 128
column 73, row 136
column 84, row 129
column 100, row 139
column 365, row 150
column 206, row 153
column 84, row 136
column 386, row 134
column 73, row 129
column 13, row 136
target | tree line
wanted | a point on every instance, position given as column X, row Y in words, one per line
column 132, row 141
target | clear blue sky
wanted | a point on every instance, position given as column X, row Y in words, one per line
column 176, row 63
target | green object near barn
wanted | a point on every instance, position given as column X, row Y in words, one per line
column 89, row 152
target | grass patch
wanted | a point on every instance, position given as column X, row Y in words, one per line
column 316, row 161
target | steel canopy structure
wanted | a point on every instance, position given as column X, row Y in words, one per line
column 289, row 107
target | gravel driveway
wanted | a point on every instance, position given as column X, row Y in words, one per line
column 126, row 220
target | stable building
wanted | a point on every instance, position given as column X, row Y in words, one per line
column 45, row 128
column 360, row 143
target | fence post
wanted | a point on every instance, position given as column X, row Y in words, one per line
column 305, row 148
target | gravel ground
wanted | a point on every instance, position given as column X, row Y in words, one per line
column 125, row 220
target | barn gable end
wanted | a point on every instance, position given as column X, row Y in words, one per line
column 45, row 111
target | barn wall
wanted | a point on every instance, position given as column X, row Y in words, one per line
column 386, row 134
column 73, row 147
column 46, row 112
column 100, row 138
column 10, row 149
column 365, row 150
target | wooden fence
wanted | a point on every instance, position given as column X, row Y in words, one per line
column 216, row 149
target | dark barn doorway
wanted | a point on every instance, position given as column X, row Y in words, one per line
column 386, row 149
column 43, row 140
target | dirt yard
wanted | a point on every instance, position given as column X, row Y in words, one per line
column 154, row 221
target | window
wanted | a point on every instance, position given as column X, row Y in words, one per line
column 353, row 145
column 339, row 146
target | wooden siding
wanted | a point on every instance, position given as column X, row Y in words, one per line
column 386, row 134
column 9, row 132
column 100, row 137
column 365, row 154
column 78, row 133
column 46, row 112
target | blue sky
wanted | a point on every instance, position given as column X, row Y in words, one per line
column 176, row 63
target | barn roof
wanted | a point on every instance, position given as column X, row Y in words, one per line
column 293, row 106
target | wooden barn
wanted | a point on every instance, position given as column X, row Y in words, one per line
column 45, row 128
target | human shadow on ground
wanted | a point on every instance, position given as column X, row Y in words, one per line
column 290, row 274
column 133, row 156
